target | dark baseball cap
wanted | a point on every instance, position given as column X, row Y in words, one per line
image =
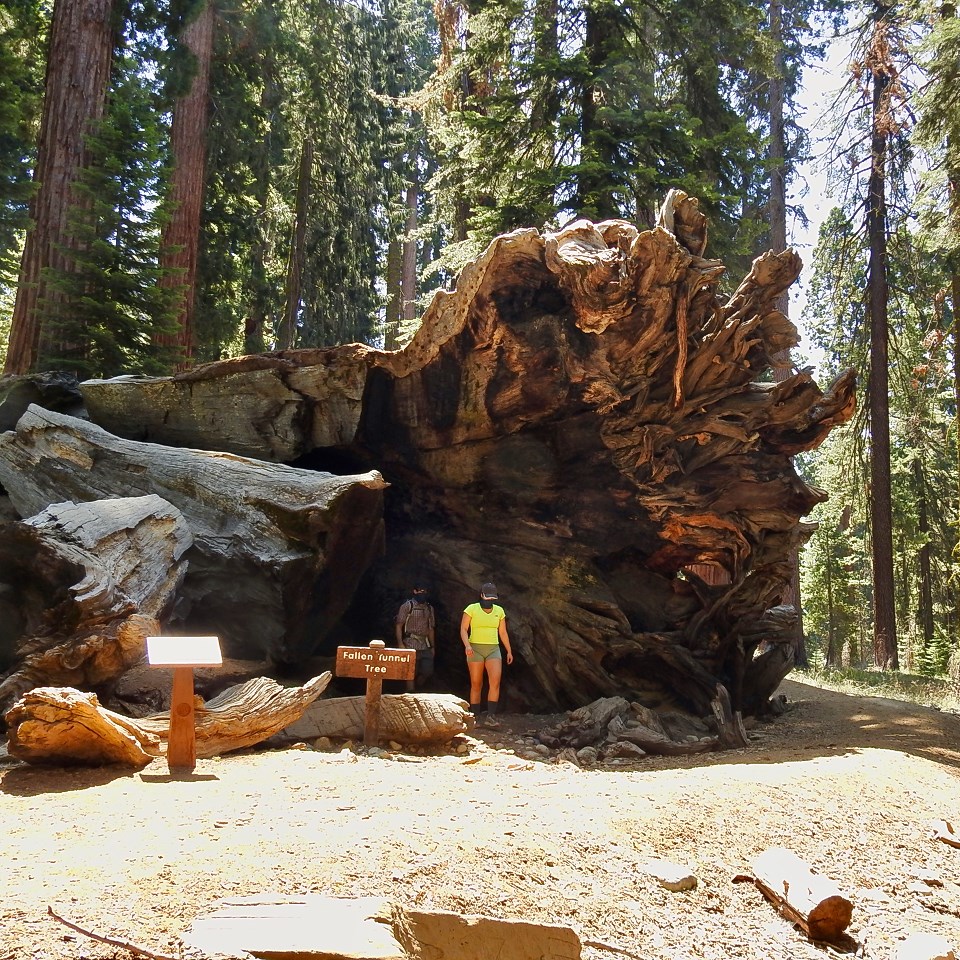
column 489, row 592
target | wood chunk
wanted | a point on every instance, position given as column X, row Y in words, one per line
column 244, row 715
column 812, row 901
column 53, row 725
column 311, row 927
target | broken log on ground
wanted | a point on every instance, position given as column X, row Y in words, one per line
column 59, row 725
column 814, row 902
column 88, row 583
column 586, row 420
column 51, row 725
column 277, row 552
column 422, row 718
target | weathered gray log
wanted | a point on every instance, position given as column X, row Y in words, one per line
column 277, row 551
column 582, row 420
column 807, row 898
column 407, row 718
column 144, row 691
column 88, row 583
column 64, row 726
column 244, row 715
column 264, row 407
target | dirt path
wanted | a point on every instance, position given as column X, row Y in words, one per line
column 849, row 783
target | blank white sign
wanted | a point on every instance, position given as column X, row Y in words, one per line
column 184, row 652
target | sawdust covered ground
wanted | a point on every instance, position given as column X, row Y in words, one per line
column 849, row 783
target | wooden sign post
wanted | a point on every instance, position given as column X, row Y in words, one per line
column 183, row 654
column 375, row 663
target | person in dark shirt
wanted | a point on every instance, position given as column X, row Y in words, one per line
column 415, row 626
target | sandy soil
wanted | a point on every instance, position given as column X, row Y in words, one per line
column 849, row 783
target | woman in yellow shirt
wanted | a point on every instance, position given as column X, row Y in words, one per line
column 482, row 628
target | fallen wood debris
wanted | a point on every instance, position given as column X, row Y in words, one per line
column 611, row 723
column 943, row 830
column 808, row 899
column 110, row 941
column 52, row 725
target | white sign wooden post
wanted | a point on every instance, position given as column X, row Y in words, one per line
column 375, row 663
column 183, row 654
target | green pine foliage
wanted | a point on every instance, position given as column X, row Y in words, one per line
column 22, row 31
column 336, row 74
column 548, row 110
column 837, row 583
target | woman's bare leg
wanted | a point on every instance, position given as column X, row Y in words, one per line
column 494, row 672
column 476, row 681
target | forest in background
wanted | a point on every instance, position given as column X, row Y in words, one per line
column 186, row 180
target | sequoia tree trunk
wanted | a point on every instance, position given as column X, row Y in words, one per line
column 188, row 144
column 78, row 70
column 881, row 521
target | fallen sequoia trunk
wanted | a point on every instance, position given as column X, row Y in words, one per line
column 88, row 584
column 277, row 551
column 584, row 420
column 61, row 725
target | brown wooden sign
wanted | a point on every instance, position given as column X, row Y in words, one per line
column 382, row 663
column 375, row 663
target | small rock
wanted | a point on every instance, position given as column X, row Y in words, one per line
column 376, row 752
column 462, row 748
column 322, row 743
column 924, row 946
column 395, row 746
column 587, row 756
column 299, row 745
column 624, row 749
column 671, row 876
column 542, row 750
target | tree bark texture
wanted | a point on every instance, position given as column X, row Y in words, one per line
column 78, row 71
column 277, row 552
column 87, row 583
column 188, row 145
column 580, row 421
